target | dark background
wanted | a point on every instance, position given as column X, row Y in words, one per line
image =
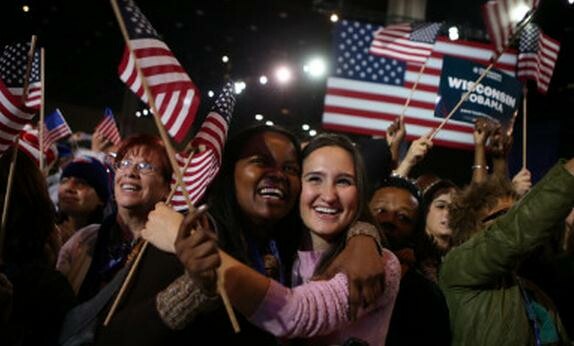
column 84, row 45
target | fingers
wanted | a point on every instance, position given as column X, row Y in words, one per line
column 371, row 291
column 355, row 290
column 198, row 252
column 189, row 222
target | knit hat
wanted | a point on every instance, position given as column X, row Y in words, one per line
column 93, row 172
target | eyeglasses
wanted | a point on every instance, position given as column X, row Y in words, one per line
column 143, row 167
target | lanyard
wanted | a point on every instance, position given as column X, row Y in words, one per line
column 530, row 312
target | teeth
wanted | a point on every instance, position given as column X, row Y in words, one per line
column 129, row 187
column 271, row 192
column 325, row 210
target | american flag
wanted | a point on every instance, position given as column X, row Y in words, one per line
column 108, row 128
column 14, row 113
column 412, row 43
column 537, row 56
column 366, row 92
column 55, row 128
column 205, row 164
column 499, row 21
column 28, row 143
column 175, row 96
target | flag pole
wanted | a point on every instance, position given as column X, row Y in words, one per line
column 7, row 196
column 28, row 68
column 41, row 121
column 163, row 134
column 14, row 157
column 187, row 162
column 408, row 101
column 524, row 126
column 171, row 155
column 521, row 25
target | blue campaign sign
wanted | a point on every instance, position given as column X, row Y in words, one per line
column 497, row 96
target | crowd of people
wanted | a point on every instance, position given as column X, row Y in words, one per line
column 296, row 237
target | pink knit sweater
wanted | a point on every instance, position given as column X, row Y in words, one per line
column 317, row 310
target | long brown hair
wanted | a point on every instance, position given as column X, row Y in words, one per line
column 363, row 211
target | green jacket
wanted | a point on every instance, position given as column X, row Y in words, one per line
column 477, row 278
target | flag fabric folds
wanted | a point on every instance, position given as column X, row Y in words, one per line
column 28, row 143
column 14, row 112
column 175, row 96
column 412, row 43
column 366, row 93
column 209, row 143
column 55, row 128
column 537, row 56
column 498, row 19
column 108, row 127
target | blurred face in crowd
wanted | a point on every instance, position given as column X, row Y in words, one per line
column 139, row 183
column 329, row 194
column 267, row 181
column 436, row 224
column 76, row 197
column 396, row 210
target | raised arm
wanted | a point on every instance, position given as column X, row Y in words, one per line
column 395, row 134
column 417, row 151
column 495, row 251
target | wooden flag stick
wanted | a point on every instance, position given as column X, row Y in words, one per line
column 15, row 148
column 9, row 184
column 187, row 162
column 524, row 126
column 527, row 18
column 28, row 69
column 125, row 284
column 164, row 136
column 462, row 99
column 169, row 148
column 408, row 101
column 41, row 121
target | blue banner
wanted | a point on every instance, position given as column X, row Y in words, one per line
column 497, row 96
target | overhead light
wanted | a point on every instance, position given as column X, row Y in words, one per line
column 225, row 59
column 283, row 74
column 316, row 67
column 269, row 123
column 239, row 87
column 263, row 80
column 312, row 133
column 334, row 18
column 26, row 8
column 145, row 112
column 138, row 114
column 258, row 117
column 453, row 34
column 210, row 93
column 305, row 127
column 518, row 12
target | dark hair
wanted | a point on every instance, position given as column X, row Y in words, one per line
column 409, row 186
column 226, row 211
column 363, row 211
column 151, row 144
column 425, row 246
column 31, row 215
column 468, row 206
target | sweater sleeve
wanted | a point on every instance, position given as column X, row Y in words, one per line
column 495, row 251
column 317, row 307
